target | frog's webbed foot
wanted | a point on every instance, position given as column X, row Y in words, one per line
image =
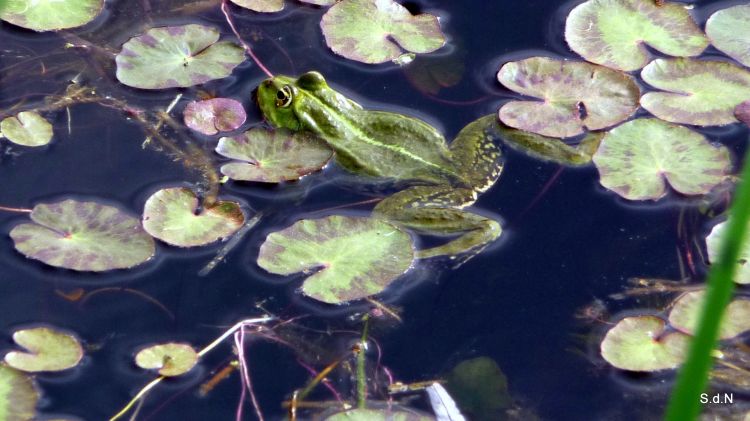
column 437, row 210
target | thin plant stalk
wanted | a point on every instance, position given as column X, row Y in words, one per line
column 361, row 374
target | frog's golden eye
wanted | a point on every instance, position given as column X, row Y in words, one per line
column 284, row 97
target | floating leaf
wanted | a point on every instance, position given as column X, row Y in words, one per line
column 49, row 15
column 379, row 415
column 613, row 32
column 272, row 156
column 636, row 159
column 176, row 56
column 713, row 242
column 26, row 128
column 729, row 32
column 171, row 216
column 214, row 115
column 265, row 6
column 376, row 31
column 352, row 257
column 18, row 395
column 704, row 93
column 575, row 96
column 84, row 236
column 171, row 359
column 742, row 112
column 49, row 350
column 480, row 388
column 640, row 344
column 685, row 313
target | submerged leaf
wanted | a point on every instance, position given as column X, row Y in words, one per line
column 171, row 359
column 272, row 156
column 574, row 96
column 613, row 32
column 48, row 350
column 729, row 31
column 26, row 128
column 214, row 115
column 49, row 15
column 351, row 257
column 686, row 311
column 18, row 395
column 376, row 31
column 84, row 236
column 640, row 344
column 704, row 93
column 170, row 215
column 638, row 158
column 480, row 388
column 430, row 74
column 713, row 242
column 176, row 56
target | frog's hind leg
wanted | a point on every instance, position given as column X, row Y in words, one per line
column 437, row 210
column 475, row 152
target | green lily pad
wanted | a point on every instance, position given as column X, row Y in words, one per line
column 214, row 115
column 729, row 31
column 171, row 359
column 613, row 33
column 686, row 311
column 703, row 93
column 377, row 31
column 170, row 215
column 640, row 344
column 18, row 395
column 272, row 156
column 564, row 88
column 84, row 236
column 351, row 257
column 638, row 158
column 49, row 15
column 379, row 415
column 713, row 242
column 26, row 128
column 48, row 350
column 176, row 56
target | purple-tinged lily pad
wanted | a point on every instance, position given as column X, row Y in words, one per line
column 613, row 32
column 170, row 359
column 713, row 242
column 574, row 96
column 729, row 31
column 272, row 156
column 641, row 344
column 349, row 257
column 742, row 112
column 176, row 56
column 214, row 115
column 84, row 236
column 686, row 310
column 18, row 395
column 171, row 216
column 377, row 31
column 703, row 93
column 638, row 158
column 48, row 350
column 26, row 128
column 46, row 15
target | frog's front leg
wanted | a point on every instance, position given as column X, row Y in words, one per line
column 437, row 210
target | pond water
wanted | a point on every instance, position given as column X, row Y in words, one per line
column 566, row 241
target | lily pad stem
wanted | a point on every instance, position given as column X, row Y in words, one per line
column 19, row 210
column 246, row 46
column 361, row 375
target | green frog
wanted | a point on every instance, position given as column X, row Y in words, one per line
column 442, row 179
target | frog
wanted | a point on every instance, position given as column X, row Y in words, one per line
column 440, row 180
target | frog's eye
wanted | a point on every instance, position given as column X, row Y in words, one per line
column 284, row 97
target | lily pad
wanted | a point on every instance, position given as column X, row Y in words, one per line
column 480, row 388
column 703, row 93
column 176, row 56
column 172, row 216
column 613, row 33
column 171, row 359
column 686, row 311
column 742, row 113
column 272, row 156
column 49, row 15
column 377, row 31
column 84, row 236
column 214, row 115
column 574, row 96
column 713, row 242
column 379, row 415
column 18, row 395
column 729, row 31
column 26, row 128
column 351, row 257
column 640, row 344
column 48, row 350
column 638, row 158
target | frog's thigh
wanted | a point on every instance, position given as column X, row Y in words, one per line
column 437, row 210
column 475, row 152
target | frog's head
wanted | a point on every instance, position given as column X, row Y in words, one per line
column 279, row 98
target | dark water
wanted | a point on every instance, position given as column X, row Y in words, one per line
column 515, row 303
